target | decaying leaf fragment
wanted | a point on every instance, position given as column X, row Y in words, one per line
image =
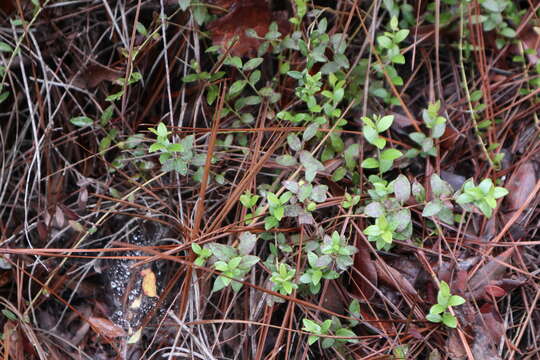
column 149, row 283
column 106, row 327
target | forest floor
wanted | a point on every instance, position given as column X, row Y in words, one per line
column 282, row 179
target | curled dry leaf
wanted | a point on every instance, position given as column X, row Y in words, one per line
column 106, row 327
column 149, row 283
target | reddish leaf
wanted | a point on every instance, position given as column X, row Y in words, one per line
column 106, row 327
column 366, row 278
column 520, row 185
column 244, row 15
column 494, row 290
column 491, row 271
column 42, row 231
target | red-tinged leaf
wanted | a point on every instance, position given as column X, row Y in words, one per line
column 397, row 281
column 106, row 327
column 520, row 185
column 70, row 214
column 333, row 299
column 493, row 270
column 42, row 231
column 530, row 41
column 365, row 280
column 494, row 290
column 244, row 15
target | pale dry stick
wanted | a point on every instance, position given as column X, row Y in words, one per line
column 183, row 326
column 100, row 221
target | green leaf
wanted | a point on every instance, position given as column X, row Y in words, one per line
column 444, row 289
column 456, row 300
column 384, row 41
column 162, row 130
column 234, row 61
column 252, row 64
column 219, row 284
column 401, row 35
column 370, row 134
column 508, row 32
column 370, row 163
column 184, row 4
column 449, row 320
column 435, row 318
column 273, row 200
column 9, row 314
column 380, row 143
column 384, row 123
column 464, row 198
column 432, row 208
column 437, row 309
column 398, row 59
column 494, row 5
column 237, row 86
column 402, row 188
column 344, row 332
column 499, row 192
column 3, row 96
column 294, row 142
column 81, row 121
column 197, row 249
column 270, row 222
column 391, row 154
column 4, row 47
column 278, row 212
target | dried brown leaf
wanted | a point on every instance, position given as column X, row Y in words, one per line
column 106, row 327
column 244, row 15
column 493, row 270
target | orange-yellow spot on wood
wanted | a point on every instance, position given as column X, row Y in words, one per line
column 149, row 283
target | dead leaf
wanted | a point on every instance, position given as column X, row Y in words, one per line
column 491, row 271
column 520, row 185
column 454, row 346
column 333, row 299
column 95, row 74
column 244, row 15
column 366, row 279
column 530, row 38
column 494, row 290
column 106, row 327
column 149, row 283
column 488, row 331
column 388, row 274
